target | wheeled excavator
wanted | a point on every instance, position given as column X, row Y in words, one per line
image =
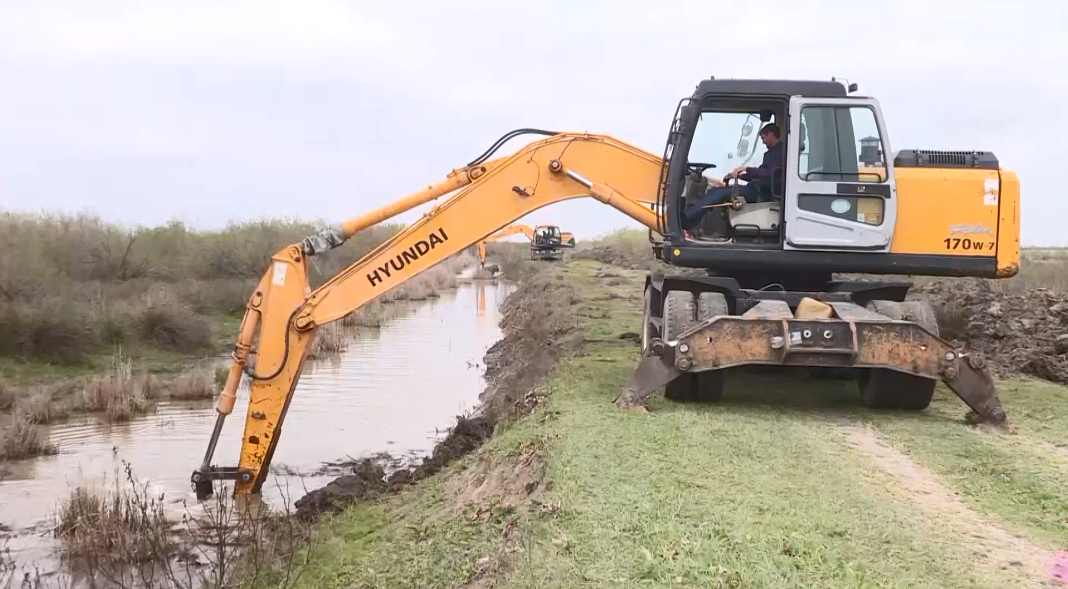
column 841, row 202
column 547, row 242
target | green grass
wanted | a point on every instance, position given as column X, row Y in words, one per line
column 761, row 490
column 1019, row 479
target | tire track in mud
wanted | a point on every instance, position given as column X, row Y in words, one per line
column 997, row 551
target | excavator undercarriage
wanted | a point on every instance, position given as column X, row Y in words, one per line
column 694, row 329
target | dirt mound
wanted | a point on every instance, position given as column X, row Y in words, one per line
column 368, row 479
column 468, row 434
column 1019, row 333
column 508, row 481
column 535, row 320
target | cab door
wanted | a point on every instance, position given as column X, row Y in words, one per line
column 840, row 190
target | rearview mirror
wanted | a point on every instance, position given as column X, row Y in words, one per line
column 743, row 147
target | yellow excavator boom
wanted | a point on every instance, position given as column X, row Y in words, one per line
column 286, row 312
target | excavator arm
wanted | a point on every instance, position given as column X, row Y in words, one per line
column 503, row 233
column 485, row 196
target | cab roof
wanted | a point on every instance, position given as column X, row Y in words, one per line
column 810, row 88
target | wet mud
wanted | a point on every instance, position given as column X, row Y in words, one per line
column 536, row 329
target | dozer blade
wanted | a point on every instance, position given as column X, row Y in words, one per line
column 655, row 370
column 900, row 346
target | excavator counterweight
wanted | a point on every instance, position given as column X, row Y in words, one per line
column 827, row 198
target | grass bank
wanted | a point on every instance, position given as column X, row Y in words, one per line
column 787, row 482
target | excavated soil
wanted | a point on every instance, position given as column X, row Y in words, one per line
column 535, row 321
column 508, row 481
column 1018, row 332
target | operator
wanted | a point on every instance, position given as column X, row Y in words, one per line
column 758, row 180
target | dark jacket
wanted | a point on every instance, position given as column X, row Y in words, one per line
column 774, row 164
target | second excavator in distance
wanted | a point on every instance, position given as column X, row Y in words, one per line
column 828, row 196
column 547, row 242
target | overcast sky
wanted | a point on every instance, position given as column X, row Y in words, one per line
column 209, row 111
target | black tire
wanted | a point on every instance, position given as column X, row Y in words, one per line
column 679, row 315
column 646, row 316
column 711, row 304
column 888, row 309
column 881, row 388
column 921, row 313
column 709, row 386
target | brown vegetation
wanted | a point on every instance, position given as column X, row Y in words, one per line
column 38, row 403
column 20, row 438
column 70, row 285
column 120, row 395
column 123, row 538
column 198, row 383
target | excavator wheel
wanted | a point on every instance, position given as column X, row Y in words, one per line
column 888, row 389
column 710, row 383
column 679, row 316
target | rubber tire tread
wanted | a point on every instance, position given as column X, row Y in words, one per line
column 711, row 304
column 888, row 309
column 679, row 315
column 921, row 313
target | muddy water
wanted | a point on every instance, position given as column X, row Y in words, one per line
column 395, row 389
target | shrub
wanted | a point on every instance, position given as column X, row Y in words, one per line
column 221, row 374
column 172, row 325
column 119, row 395
column 7, row 396
column 22, row 439
column 329, row 339
column 194, row 384
column 48, row 329
column 122, row 527
column 41, row 405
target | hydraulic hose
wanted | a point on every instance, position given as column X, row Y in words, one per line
column 508, row 137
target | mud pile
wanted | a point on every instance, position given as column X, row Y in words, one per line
column 535, row 321
column 610, row 255
column 1019, row 333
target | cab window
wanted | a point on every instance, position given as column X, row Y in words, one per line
column 840, row 143
column 727, row 139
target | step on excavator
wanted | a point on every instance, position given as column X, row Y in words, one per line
column 547, row 242
column 829, row 197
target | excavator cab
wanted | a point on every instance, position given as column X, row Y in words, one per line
column 547, row 243
column 825, row 191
